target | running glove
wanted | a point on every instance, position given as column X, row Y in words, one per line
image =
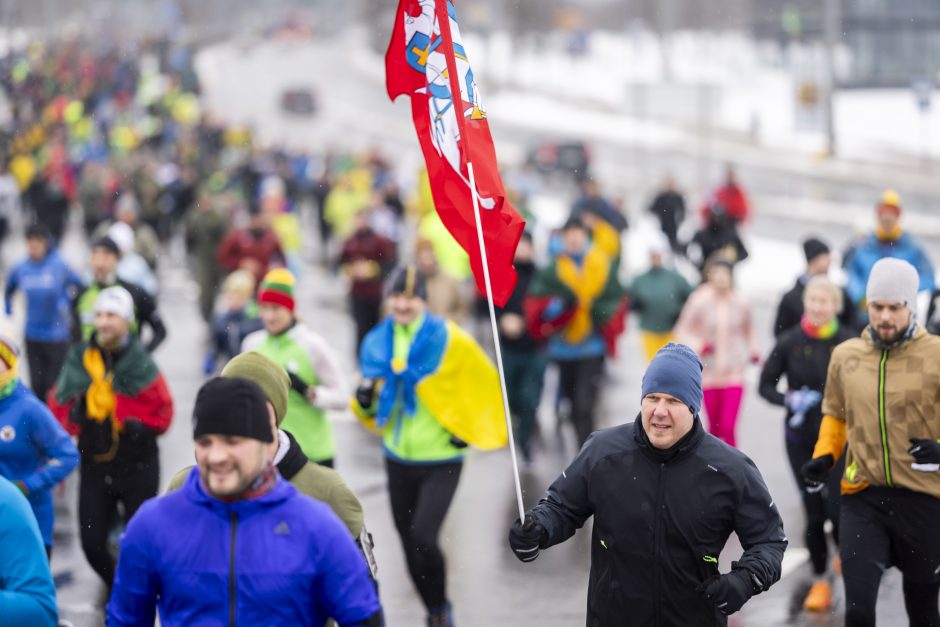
column 729, row 592
column 816, row 471
column 526, row 539
column 297, row 384
column 208, row 365
column 925, row 451
column 365, row 393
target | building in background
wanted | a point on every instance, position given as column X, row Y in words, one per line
column 890, row 43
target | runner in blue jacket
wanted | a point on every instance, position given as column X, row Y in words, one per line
column 237, row 544
column 27, row 595
column 35, row 451
column 50, row 285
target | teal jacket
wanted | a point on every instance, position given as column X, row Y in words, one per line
column 657, row 296
column 27, row 594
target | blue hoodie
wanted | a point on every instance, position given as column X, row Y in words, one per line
column 27, row 594
column 49, row 285
column 287, row 558
column 36, row 450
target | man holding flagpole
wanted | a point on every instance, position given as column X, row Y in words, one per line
column 665, row 497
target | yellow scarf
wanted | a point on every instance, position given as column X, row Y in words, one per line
column 607, row 239
column 587, row 283
column 888, row 236
column 100, row 400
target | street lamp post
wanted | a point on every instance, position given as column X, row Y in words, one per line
column 832, row 28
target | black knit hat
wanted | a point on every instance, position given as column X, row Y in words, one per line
column 813, row 248
column 108, row 244
column 573, row 222
column 409, row 281
column 232, row 406
column 37, row 230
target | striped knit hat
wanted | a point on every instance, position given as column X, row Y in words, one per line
column 277, row 288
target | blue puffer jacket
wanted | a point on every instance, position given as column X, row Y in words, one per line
column 279, row 559
column 34, row 449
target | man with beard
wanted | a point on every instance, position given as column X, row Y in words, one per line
column 237, row 543
column 880, row 400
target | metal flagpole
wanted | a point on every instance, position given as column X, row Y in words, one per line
column 443, row 18
column 499, row 353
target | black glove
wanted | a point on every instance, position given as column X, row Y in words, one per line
column 135, row 430
column 365, row 393
column 297, row 384
column 816, row 471
column 728, row 592
column 526, row 539
column 77, row 411
column 925, row 451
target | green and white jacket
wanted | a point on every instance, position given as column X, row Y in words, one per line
column 306, row 354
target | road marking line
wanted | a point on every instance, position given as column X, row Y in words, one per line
column 793, row 559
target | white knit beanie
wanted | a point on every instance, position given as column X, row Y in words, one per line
column 115, row 300
column 893, row 281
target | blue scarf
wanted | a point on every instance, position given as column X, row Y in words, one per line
column 424, row 357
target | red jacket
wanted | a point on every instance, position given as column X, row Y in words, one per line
column 143, row 405
column 369, row 246
column 252, row 249
column 733, row 199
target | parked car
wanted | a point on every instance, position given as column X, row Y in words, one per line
column 571, row 157
column 298, row 101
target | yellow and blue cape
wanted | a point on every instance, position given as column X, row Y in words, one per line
column 447, row 371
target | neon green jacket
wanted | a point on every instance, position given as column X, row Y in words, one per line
column 306, row 354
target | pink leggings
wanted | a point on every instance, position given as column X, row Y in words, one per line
column 722, row 406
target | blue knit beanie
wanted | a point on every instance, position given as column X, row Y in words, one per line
column 675, row 370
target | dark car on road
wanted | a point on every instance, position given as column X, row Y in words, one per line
column 569, row 157
column 298, row 101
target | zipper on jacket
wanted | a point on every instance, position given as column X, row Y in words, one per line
column 233, row 517
column 882, row 417
column 657, row 553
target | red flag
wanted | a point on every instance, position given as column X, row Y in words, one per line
column 426, row 61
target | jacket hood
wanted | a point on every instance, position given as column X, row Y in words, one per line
column 294, row 461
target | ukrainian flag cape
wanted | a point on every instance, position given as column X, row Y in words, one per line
column 447, row 371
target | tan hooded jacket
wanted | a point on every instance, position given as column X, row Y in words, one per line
column 876, row 400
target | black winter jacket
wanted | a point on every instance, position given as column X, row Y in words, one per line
column 804, row 361
column 661, row 519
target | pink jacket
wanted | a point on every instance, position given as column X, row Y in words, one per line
column 719, row 329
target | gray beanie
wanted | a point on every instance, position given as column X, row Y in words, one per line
column 893, row 281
